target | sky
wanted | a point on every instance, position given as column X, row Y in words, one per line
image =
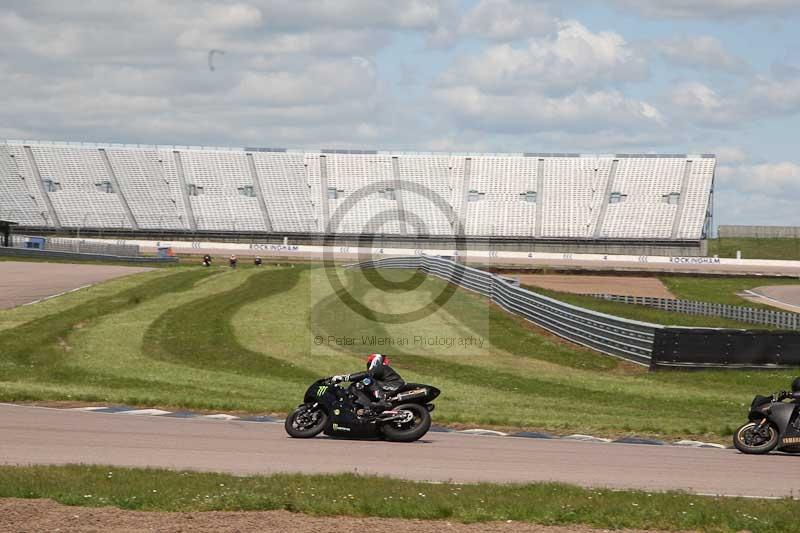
column 578, row 76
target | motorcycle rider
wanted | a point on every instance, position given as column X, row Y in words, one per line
column 794, row 394
column 384, row 380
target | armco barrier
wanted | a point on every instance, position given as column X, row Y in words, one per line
column 48, row 254
column 710, row 348
column 617, row 336
column 650, row 344
column 766, row 317
column 79, row 246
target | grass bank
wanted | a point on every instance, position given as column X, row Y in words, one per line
column 722, row 290
column 351, row 495
column 714, row 289
column 251, row 340
column 644, row 313
column 753, row 248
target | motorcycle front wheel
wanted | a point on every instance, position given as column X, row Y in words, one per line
column 411, row 430
column 748, row 440
column 304, row 423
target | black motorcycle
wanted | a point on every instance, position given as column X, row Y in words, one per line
column 773, row 424
column 344, row 412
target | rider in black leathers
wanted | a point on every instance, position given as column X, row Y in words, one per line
column 794, row 394
column 384, row 380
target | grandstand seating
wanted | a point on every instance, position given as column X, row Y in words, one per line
column 76, row 177
column 268, row 190
column 643, row 212
column 152, row 201
column 18, row 199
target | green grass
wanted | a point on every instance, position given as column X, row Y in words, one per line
column 244, row 341
column 644, row 313
column 714, row 289
column 721, row 290
column 753, row 248
column 351, row 495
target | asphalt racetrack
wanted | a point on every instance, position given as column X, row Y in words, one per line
column 37, row 435
column 26, row 282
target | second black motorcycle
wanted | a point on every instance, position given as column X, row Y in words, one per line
column 774, row 424
column 344, row 412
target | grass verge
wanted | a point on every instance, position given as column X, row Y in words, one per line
column 720, row 290
column 241, row 341
column 644, row 313
column 753, row 248
column 351, row 495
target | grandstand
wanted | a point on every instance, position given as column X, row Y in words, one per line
column 259, row 192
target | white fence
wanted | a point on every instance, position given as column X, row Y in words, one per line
column 767, row 317
column 623, row 338
column 79, row 246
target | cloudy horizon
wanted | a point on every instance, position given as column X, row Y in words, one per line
column 610, row 76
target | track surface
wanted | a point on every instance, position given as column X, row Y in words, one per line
column 786, row 297
column 35, row 435
column 22, row 282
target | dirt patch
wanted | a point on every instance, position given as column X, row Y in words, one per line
column 623, row 285
column 46, row 515
column 22, row 282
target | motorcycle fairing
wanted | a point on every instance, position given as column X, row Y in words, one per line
column 343, row 422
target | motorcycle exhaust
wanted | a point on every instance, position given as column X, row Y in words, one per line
column 411, row 394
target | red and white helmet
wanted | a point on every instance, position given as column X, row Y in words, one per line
column 374, row 360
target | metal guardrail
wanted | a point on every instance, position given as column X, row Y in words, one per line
column 767, row 317
column 73, row 256
column 612, row 335
column 77, row 246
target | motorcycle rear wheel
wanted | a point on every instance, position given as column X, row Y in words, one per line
column 298, row 427
column 746, row 441
column 410, row 431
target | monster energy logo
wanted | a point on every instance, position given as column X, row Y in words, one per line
column 321, row 390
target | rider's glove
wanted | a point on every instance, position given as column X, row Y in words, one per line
column 338, row 379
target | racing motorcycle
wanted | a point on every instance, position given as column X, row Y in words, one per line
column 774, row 424
column 343, row 412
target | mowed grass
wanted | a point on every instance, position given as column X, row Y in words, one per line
column 753, row 248
column 714, row 289
column 252, row 340
column 351, row 495
column 644, row 313
column 721, row 289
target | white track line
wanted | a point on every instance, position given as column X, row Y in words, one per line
column 759, row 295
column 56, row 295
column 144, row 412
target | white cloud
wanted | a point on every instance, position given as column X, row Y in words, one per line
column 730, row 155
column 320, row 82
column 760, row 98
column 764, row 193
column 507, row 20
column 708, row 8
column 780, row 179
column 581, row 111
column 574, row 57
column 702, row 52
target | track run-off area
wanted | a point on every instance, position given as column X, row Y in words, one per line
column 36, row 435
column 252, row 340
